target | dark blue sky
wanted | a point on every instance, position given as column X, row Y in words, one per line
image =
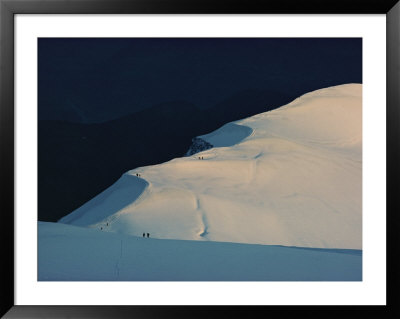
column 95, row 80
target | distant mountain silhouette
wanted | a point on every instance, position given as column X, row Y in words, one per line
column 78, row 161
column 79, row 78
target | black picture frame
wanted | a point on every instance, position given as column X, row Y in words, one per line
column 8, row 8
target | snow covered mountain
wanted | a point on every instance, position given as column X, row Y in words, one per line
column 291, row 176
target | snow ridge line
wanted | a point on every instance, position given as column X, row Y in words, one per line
column 98, row 200
column 122, row 211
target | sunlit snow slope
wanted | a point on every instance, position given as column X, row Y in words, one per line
column 291, row 176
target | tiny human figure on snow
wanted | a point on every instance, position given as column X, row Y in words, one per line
column 148, row 235
column 144, row 235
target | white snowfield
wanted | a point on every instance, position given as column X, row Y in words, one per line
column 67, row 252
column 291, row 176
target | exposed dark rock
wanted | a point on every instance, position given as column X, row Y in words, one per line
column 198, row 145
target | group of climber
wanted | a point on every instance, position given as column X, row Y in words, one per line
column 144, row 234
column 101, row 228
column 201, row 157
